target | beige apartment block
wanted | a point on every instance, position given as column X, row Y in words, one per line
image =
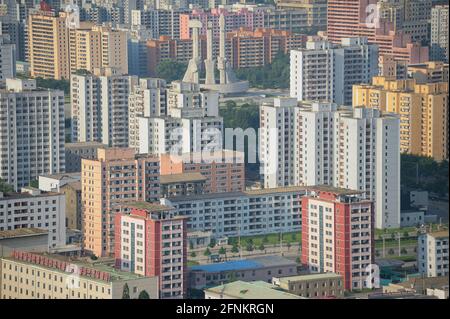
column 324, row 285
column 27, row 275
column 56, row 51
column 115, row 177
column 422, row 108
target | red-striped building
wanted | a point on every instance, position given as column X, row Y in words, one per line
column 338, row 234
column 150, row 241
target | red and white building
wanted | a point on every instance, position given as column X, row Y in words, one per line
column 338, row 234
column 150, row 241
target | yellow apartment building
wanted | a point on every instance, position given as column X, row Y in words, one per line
column 422, row 108
column 56, row 51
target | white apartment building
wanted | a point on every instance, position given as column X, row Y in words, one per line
column 32, row 132
column 192, row 123
column 326, row 72
column 7, row 59
column 100, row 107
column 313, row 143
column 439, row 34
column 255, row 212
column 33, row 208
column 148, row 99
column 432, row 251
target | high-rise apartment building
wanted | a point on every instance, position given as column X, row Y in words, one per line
column 422, row 108
column 150, row 241
column 318, row 143
column 192, row 123
column 100, row 107
column 147, row 99
column 32, row 208
column 338, row 234
column 428, row 72
column 358, row 18
column 326, row 72
column 432, row 253
column 48, row 45
column 7, row 59
column 94, row 47
column 439, row 34
column 316, row 10
column 115, row 177
column 56, row 49
column 32, row 132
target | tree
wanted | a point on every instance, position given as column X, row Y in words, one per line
column 193, row 254
column 63, row 85
column 207, row 252
column 170, row 70
column 288, row 245
column 293, row 237
column 222, row 251
column 212, row 243
column 406, row 234
column 234, row 249
column 393, row 236
column 261, row 247
column 191, row 245
column 377, row 253
column 249, row 247
column 5, row 188
column 34, row 183
column 126, row 292
column 404, row 251
column 143, row 295
column 265, row 239
column 391, row 251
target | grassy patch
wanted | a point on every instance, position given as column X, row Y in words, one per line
column 192, row 263
column 394, row 242
column 270, row 239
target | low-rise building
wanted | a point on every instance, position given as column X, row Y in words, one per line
column 54, row 182
column 27, row 275
column 417, row 285
column 247, row 290
column 25, row 239
column 33, row 208
column 184, row 184
column 432, row 250
column 251, row 269
column 323, row 285
column 253, row 212
column 224, row 172
column 74, row 209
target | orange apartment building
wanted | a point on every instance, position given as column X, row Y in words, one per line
column 244, row 48
column 115, row 177
column 224, row 173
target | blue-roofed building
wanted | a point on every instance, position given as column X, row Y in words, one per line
column 251, row 269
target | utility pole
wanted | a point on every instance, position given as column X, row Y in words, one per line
column 384, row 246
column 399, row 244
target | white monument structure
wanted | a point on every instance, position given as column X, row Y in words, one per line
column 228, row 83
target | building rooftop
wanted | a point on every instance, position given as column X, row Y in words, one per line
column 251, row 290
column 334, row 190
column 75, row 175
column 84, row 145
column 152, row 207
column 244, row 264
column 22, row 232
column 285, row 189
column 439, row 234
column 310, row 277
column 101, row 270
column 75, row 185
column 181, row 178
